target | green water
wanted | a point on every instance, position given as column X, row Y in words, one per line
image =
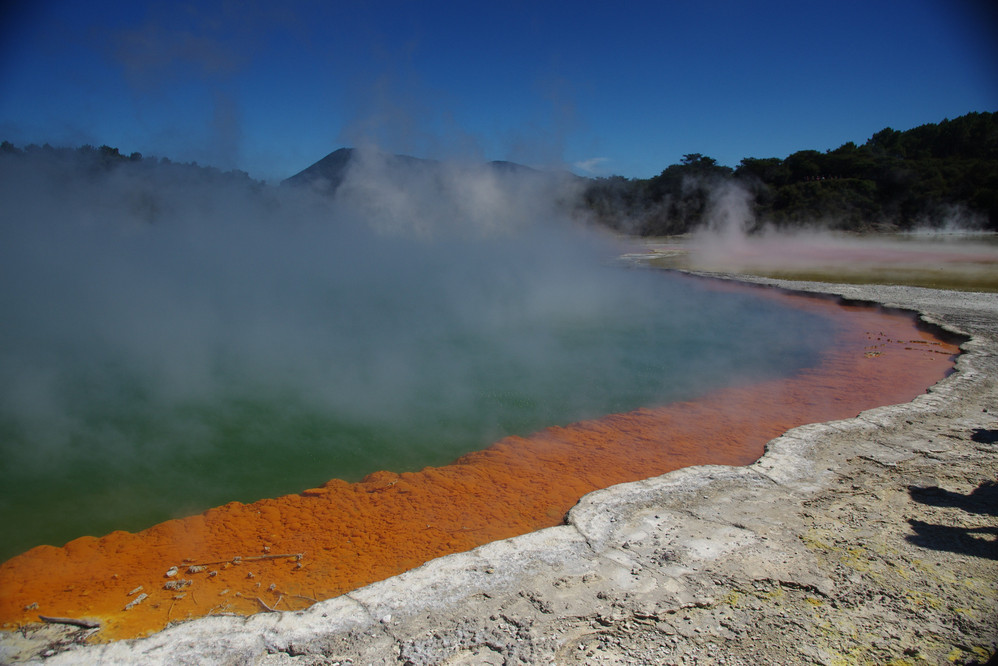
column 114, row 451
column 225, row 341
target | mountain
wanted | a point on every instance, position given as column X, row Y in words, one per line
column 328, row 174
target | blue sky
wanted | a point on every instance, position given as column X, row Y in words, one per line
column 601, row 87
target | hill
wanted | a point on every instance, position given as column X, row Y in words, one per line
column 936, row 175
column 329, row 173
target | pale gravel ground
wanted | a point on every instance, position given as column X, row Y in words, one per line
column 865, row 541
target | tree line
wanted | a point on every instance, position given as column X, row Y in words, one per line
column 936, row 175
column 106, row 158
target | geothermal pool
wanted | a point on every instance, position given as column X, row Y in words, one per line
column 286, row 553
column 111, row 452
column 285, row 397
column 172, row 342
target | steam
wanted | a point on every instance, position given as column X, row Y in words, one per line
column 176, row 338
column 188, row 287
column 733, row 239
column 470, row 201
column 179, row 290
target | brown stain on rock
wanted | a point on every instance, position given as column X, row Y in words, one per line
column 288, row 552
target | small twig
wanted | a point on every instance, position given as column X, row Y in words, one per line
column 251, row 558
column 264, row 604
column 86, row 624
column 297, row 556
column 279, row 600
column 136, row 601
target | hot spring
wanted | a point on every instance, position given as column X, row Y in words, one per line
column 132, row 395
column 171, row 344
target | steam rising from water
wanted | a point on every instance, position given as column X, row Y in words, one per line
column 172, row 341
column 733, row 240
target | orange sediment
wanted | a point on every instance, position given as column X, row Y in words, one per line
column 288, row 552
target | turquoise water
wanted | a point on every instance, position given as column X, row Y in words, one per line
column 226, row 342
column 121, row 455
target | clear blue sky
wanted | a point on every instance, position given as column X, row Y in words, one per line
column 613, row 87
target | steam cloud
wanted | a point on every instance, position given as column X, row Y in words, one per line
column 733, row 239
column 167, row 329
column 182, row 284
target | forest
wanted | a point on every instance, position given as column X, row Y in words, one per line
column 936, row 176
column 88, row 159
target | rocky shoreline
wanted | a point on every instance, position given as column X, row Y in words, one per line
column 868, row 540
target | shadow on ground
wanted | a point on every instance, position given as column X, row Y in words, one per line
column 985, row 436
column 974, row 541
